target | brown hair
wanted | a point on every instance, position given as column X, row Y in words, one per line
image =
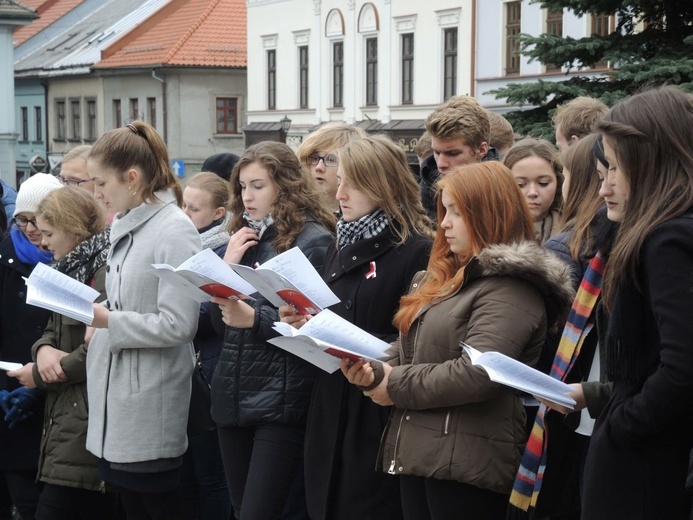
column 502, row 135
column 73, row 211
column 494, row 211
column 579, row 116
column 543, row 149
column 423, row 146
column 583, row 198
column 297, row 197
column 652, row 136
column 460, row 117
column 378, row 168
column 138, row 145
column 209, row 182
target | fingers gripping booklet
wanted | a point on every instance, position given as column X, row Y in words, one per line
column 328, row 338
column 515, row 374
column 289, row 279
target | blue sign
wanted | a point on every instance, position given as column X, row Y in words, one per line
column 178, row 168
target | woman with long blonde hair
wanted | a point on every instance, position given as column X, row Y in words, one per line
column 383, row 239
column 454, row 437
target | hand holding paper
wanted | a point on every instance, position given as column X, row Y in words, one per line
column 515, row 374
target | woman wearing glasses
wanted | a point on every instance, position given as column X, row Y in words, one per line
column 73, row 169
column 318, row 155
column 20, row 326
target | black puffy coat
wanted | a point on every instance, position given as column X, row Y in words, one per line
column 254, row 381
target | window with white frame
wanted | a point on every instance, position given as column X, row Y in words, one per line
column 407, row 68
column 371, row 71
column 513, row 21
column 303, row 76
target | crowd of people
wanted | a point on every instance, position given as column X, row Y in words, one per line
column 576, row 259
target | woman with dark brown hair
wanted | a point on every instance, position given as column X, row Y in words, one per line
column 454, row 437
column 537, row 168
column 260, row 393
column 638, row 457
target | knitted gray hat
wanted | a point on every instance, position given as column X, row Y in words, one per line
column 32, row 191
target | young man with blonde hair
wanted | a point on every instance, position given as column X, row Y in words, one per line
column 576, row 119
column 460, row 134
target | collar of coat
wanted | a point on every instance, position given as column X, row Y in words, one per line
column 136, row 217
column 528, row 261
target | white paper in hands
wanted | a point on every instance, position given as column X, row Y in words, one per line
column 326, row 339
column 9, row 366
column 57, row 292
column 290, row 279
column 515, row 374
column 205, row 275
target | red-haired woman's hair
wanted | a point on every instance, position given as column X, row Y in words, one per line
column 494, row 211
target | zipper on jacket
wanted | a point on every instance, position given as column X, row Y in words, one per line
column 447, row 422
column 391, row 471
column 102, row 488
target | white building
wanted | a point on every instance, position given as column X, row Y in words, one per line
column 386, row 64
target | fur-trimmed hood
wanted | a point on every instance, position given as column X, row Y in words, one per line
column 528, row 261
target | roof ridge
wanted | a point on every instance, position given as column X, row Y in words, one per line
column 191, row 31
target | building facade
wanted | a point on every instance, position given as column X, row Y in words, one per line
column 385, row 65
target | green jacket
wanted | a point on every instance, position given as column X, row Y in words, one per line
column 64, row 459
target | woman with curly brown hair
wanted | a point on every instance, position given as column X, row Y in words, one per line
column 260, row 393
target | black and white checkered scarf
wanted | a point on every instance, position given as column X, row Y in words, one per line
column 366, row 227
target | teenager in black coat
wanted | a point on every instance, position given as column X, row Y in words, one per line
column 638, row 458
column 383, row 239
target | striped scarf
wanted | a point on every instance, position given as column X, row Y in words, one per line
column 529, row 477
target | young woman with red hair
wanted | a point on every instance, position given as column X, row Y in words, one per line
column 454, row 436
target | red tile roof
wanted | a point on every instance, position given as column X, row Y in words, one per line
column 207, row 33
column 49, row 11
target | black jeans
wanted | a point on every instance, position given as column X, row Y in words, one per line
column 24, row 491
column 66, row 503
column 261, row 464
column 164, row 505
column 434, row 499
column 203, row 489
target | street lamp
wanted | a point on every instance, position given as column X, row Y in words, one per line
column 285, row 123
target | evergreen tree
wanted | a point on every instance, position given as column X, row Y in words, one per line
column 651, row 45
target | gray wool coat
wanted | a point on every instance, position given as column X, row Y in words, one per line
column 139, row 369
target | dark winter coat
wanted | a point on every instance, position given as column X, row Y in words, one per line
column 20, row 326
column 344, row 427
column 638, row 458
column 450, row 422
column 256, row 382
column 64, row 459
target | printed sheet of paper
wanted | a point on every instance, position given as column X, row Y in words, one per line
column 326, row 339
column 8, row 365
column 205, row 275
column 57, row 292
column 290, row 279
column 515, row 374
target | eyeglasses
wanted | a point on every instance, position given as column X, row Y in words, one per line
column 72, row 182
column 330, row 161
column 22, row 222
